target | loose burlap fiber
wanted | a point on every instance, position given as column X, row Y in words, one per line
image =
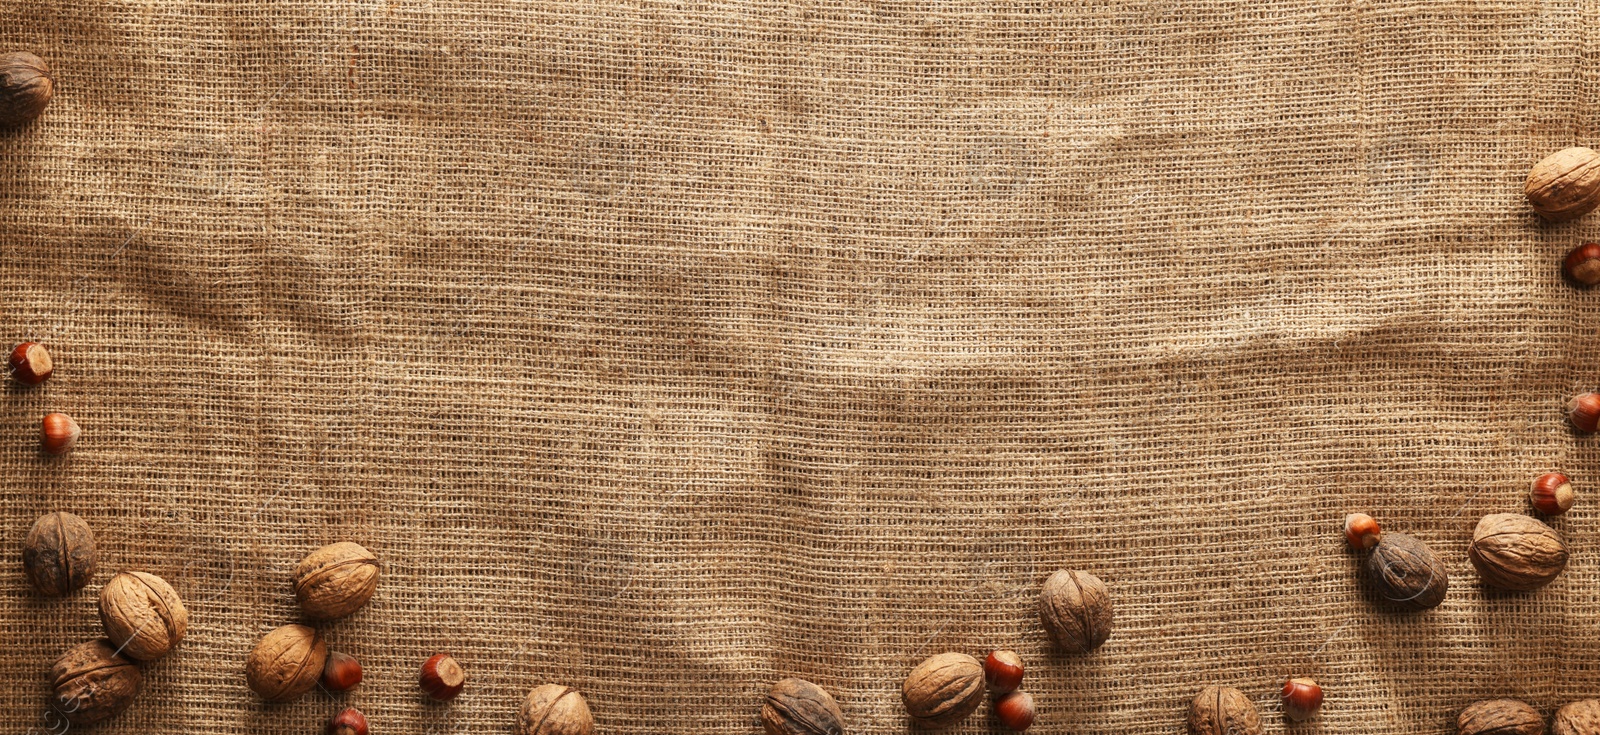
column 666, row 349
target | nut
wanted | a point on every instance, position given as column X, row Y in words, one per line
column 553, row 709
column 943, row 690
column 1582, row 265
column 1223, row 711
column 57, row 433
column 1003, row 671
column 1577, row 718
column 1565, row 185
column 442, row 678
column 1406, row 572
column 286, row 663
column 1517, row 553
column 1552, row 494
column 92, row 683
column 348, row 722
column 143, row 615
column 798, row 707
column 1015, row 710
column 1076, row 610
column 26, row 87
column 31, row 364
column 1361, row 531
column 1584, row 412
column 58, row 555
column 1499, row 717
column 1301, row 699
column 335, row 580
column 341, row 673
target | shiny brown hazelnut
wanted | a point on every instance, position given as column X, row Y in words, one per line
column 348, row 722
column 1361, row 531
column 1552, row 494
column 1003, row 671
column 1301, row 699
column 92, row 683
column 26, row 87
column 57, row 433
column 31, row 364
column 798, row 707
column 335, row 580
column 341, row 673
column 1584, row 412
column 286, row 663
column 143, row 615
column 442, row 678
column 553, row 709
column 1015, row 710
column 58, row 556
column 1582, row 265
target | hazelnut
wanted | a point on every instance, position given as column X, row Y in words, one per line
column 341, row 673
column 335, row 580
column 143, row 615
column 1584, row 412
column 1076, row 610
column 1223, row 711
column 1565, row 185
column 58, row 556
column 286, row 663
column 1361, row 531
column 553, row 709
column 1003, row 671
column 1552, row 494
column 1406, row 572
column 1583, row 264
column 1515, row 552
column 1015, row 710
column 30, row 364
column 348, row 722
column 442, row 678
column 26, row 87
column 92, row 683
column 1499, row 717
column 57, row 433
column 943, row 690
column 1577, row 718
column 1301, row 699
column 798, row 707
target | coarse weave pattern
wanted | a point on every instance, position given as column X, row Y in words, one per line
column 666, row 349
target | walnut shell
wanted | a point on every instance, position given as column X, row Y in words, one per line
column 1223, row 711
column 335, row 580
column 1577, row 718
column 1515, row 552
column 92, row 682
column 798, row 707
column 1406, row 572
column 58, row 556
column 143, row 615
column 553, row 709
column 943, row 690
column 1076, row 610
column 1499, row 717
column 26, row 87
column 286, row 663
column 1565, row 185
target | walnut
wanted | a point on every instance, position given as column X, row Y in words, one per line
column 1577, row 718
column 58, row 555
column 26, row 87
column 1406, row 572
column 1565, row 185
column 1499, row 717
column 1515, row 552
column 335, row 580
column 286, row 663
column 1223, row 711
column 93, row 683
column 1076, row 610
column 143, row 615
column 798, row 707
column 943, row 690
column 553, row 709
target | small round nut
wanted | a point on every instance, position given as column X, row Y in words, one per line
column 1223, row 711
column 1301, row 699
column 1582, row 265
column 1015, row 711
column 798, row 707
column 1577, row 718
column 1552, row 494
column 1361, row 531
column 1003, row 671
column 58, row 557
column 1584, row 412
column 1499, row 717
column 93, row 683
column 943, row 690
column 58, row 433
column 442, row 678
column 1076, row 610
column 553, row 709
column 335, row 580
column 142, row 615
column 1406, row 572
column 341, row 673
column 26, row 87
column 348, row 722
column 286, row 663
column 31, row 364
column 1515, row 552
column 1565, row 185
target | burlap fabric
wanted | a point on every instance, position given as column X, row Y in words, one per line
column 668, row 349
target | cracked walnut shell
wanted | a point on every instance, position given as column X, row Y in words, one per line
column 286, row 663
column 553, row 709
column 1076, row 610
column 1517, row 553
column 335, row 580
column 143, row 615
column 1499, row 717
column 798, row 707
column 1223, row 711
column 943, row 690
column 92, row 683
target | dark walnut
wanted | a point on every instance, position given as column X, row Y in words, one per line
column 1499, row 717
column 143, row 615
column 26, row 87
column 58, row 555
column 1076, row 610
column 553, row 709
column 798, row 707
column 943, row 690
column 335, row 580
column 92, row 683
column 1406, row 572
column 1223, row 711
column 1515, row 552
column 1577, row 718
column 286, row 663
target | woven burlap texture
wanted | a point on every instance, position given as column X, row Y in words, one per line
column 666, row 349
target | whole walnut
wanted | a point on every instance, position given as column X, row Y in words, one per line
column 1223, row 711
column 553, row 709
column 943, row 690
column 1076, row 610
column 1577, row 718
column 286, row 663
column 1517, row 553
column 58, row 556
column 1499, row 717
column 26, row 87
column 1406, row 572
column 335, row 580
column 143, row 615
column 92, row 683
column 798, row 707
column 1565, row 185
